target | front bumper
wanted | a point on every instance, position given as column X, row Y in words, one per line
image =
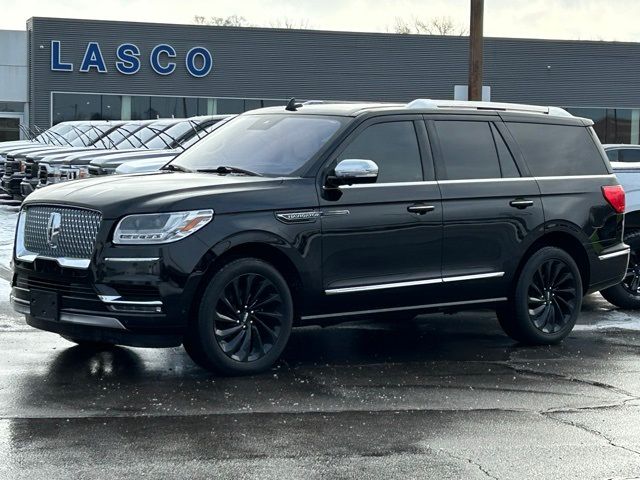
column 136, row 297
column 95, row 328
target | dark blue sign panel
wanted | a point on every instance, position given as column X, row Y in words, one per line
column 162, row 59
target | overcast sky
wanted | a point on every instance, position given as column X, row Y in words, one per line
column 566, row 19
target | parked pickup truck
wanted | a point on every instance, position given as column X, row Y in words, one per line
column 625, row 161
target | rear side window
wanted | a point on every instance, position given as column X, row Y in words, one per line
column 555, row 150
column 474, row 150
column 394, row 148
column 612, row 155
column 629, row 155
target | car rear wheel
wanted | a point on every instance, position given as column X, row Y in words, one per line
column 626, row 294
column 244, row 320
column 546, row 301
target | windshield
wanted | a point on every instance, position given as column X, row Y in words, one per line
column 190, row 140
column 170, row 135
column 266, row 144
column 54, row 132
column 124, row 137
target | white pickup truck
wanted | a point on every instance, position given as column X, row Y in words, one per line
column 625, row 160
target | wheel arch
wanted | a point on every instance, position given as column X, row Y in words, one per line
column 567, row 242
column 270, row 249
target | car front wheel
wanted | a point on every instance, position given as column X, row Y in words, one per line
column 244, row 319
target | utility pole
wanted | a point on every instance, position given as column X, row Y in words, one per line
column 475, row 49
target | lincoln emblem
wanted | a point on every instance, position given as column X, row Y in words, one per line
column 53, row 229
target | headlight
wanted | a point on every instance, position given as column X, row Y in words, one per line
column 157, row 228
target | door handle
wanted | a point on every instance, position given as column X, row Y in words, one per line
column 420, row 209
column 521, row 203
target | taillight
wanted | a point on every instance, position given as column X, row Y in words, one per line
column 614, row 194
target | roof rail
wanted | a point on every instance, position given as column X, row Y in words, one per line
column 493, row 106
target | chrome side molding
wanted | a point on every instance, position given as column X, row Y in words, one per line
column 619, row 253
column 401, row 309
column 412, row 283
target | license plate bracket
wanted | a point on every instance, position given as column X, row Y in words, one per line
column 44, row 305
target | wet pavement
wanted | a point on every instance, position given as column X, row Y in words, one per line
column 443, row 396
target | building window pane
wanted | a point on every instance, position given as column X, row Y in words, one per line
column 69, row 106
column 252, row 105
column 230, row 105
column 12, row 107
column 111, row 107
column 274, row 103
column 140, row 108
column 9, row 129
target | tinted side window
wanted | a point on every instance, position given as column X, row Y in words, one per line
column 393, row 146
column 612, row 155
column 629, row 155
column 558, row 149
column 507, row 163
column 468, row 150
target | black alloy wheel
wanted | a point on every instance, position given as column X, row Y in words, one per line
column 626, row 294
column 248, row 317
column 545, row 299
column 243, row 321
column 631, row 280
column 552, row 296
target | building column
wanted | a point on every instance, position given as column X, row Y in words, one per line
column 635, row 126
column 125, row 109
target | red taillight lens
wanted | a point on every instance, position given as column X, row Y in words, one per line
column 614, row 194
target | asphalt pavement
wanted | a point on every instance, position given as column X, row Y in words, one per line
column 443, row 396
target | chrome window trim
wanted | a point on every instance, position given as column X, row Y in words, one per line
column 400, row 309
column 475, row 180
column 619, row 253
column 412, row 283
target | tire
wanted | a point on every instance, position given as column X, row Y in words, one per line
column 89, row 343
column 546, row 300
column 244, row 319
column 626, row 294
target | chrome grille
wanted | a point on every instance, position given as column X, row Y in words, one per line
column 77, row 237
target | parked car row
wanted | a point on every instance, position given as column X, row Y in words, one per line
column 75, row 150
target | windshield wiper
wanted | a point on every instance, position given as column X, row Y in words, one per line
column 176, row 168
column 225, row 170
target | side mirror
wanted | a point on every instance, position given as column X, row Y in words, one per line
column 353, row 171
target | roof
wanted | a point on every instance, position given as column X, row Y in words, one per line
column 418, row 106
column 620, row 145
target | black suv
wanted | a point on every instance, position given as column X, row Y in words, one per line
column 319, row 213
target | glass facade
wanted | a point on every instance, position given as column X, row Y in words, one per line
column 81, row 106
column 612, row 125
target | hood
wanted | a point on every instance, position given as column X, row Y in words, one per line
column 117, row 195
column 142, row 166
column 117, row 158
column 37, row 151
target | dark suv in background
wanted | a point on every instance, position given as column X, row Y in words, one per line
column 318, row 213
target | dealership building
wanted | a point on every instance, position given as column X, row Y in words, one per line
column 63, row 69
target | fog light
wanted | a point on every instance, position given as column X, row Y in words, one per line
column 136, row 308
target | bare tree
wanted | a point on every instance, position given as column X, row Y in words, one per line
column 286, row 22
column 434, row 26
column 231, row 21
